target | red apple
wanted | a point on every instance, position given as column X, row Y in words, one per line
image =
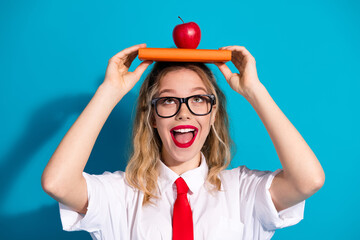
column 187, row 35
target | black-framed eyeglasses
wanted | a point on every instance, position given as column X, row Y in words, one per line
column 198, row 105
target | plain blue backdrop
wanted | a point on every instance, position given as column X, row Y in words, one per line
column 53, row 56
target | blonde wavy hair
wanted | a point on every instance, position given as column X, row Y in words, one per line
column 141, row 171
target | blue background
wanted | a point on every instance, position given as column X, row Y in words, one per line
column 53, row 56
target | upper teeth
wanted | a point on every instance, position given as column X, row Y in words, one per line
column 184, row 130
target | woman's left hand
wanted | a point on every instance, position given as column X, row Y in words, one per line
column 247, row 77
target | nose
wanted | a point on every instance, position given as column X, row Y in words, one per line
column 183, row 113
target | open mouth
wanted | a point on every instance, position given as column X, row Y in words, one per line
column 184, row 136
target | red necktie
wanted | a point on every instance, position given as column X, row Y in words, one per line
column 182, row 215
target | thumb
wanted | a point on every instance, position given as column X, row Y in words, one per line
column 142, row 67
column 224, row 69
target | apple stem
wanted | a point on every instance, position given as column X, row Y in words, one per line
column 181, row 19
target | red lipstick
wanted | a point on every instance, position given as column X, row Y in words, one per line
column 184, row 145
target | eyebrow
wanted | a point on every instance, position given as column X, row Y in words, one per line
column 172, row 91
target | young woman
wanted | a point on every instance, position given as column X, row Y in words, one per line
column 176, row 185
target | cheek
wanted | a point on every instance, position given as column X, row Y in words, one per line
column 206, row 126
column 161, row 126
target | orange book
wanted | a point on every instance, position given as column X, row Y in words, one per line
column 184, row 55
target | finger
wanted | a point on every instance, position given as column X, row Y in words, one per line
column 128, row 51
column 236, row 57
column 130, row 58
column 240, row 49
column 141, row 68
column 235, row 47
column 238, row 64
column 236, row 53
column 224, row 69
column 222, row 48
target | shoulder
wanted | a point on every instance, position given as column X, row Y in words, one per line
column 107, row 176
column 242, row 175
column 242, row 171
column 114, row 180
column 112, row 188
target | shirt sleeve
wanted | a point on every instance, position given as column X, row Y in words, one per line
column 265, row 209
column 101, row 200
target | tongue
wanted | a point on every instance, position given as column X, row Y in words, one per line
column 183, row 137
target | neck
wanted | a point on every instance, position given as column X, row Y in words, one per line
column 183, row 165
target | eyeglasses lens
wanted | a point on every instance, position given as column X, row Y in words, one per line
column 199, row 105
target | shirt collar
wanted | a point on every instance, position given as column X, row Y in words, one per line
column 194, row 178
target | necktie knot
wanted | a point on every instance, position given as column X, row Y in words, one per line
column 181, row 186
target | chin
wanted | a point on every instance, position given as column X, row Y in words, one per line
column 184, row 154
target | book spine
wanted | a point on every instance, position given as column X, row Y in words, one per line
column 184, row 55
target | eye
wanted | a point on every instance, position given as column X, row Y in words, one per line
column 167, row 101
column 198, row 99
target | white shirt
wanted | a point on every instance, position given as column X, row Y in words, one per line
column 242, row 210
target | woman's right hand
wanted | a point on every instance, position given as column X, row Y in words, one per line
column 117, row 75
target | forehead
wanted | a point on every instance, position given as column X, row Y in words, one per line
column 181, row 82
